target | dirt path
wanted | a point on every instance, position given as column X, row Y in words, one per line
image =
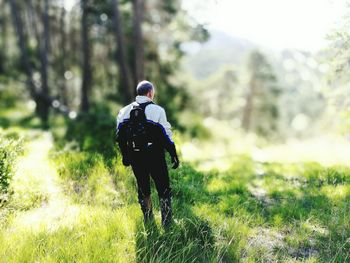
column 38, row 176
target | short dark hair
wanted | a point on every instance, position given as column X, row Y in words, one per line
column 144, row 87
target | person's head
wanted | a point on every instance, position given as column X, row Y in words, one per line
column 145, row 88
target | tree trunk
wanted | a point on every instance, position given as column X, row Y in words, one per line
column 62, row 80
column 43, row 109
column 248, row 109
column 33, row 20
column 124, row 72
column 3, row 37
column 42, row 97
column 2, row 62
column 87, row 72
column 138, row 9
column 22, row 44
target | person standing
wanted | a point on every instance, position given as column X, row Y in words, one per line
column 143, row 135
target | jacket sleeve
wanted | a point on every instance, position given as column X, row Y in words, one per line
column 171, row 148
column 166, row 125
column 121, row 139
column 119, row 120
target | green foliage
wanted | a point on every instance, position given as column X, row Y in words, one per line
column 339, row 52
column 218, row 95
column 191, row 124
column 25, row 191
column 94, row 131
column 10, row 147
column 8, row 96
column 337, row 57
column 264, row 93
column 27, row 195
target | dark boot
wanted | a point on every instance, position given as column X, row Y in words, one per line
column 146, row 207
column 166, row 211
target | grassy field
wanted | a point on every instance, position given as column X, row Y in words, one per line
column 74, row 206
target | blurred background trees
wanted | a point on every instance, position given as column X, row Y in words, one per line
column 261, row 98
column 84, row 58
column 72, row 59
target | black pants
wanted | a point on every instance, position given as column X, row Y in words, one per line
column 151, row 163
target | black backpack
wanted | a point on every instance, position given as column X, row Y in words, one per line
column 136, row 134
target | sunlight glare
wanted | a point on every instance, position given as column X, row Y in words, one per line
column 69, row 4
column 273, row 23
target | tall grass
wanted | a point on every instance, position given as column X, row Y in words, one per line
column 87, row 179
column 253, row 212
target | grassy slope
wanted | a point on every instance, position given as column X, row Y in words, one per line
column 73, row 208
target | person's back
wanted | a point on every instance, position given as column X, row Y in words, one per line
column 150, row 160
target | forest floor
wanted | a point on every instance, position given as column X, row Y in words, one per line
column 70, row 206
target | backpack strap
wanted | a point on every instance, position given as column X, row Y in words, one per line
column 144, row 105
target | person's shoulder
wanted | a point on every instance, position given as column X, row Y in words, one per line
column 125, row 108
column 124, row 111
column 156, row 107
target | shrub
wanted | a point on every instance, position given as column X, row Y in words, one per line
column 8, row 95
column 94, row 131
column 9, row 149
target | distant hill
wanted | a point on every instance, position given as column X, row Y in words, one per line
column 202, row 60
column 205, row 59
column 300, row 74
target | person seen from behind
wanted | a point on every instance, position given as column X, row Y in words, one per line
column 143, row 135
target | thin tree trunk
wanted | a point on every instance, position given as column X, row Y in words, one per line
column 42, row 98
column 22, row 43
column 248, row 109
column 3, row 37
column 34, row 22
column 124, row 72
column 87, row 72
column 2, row 62
column 138, row 9
column 62, row 80
column 44, row 53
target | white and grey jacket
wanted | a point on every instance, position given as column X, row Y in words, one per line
column 153, row 112
column 158, row 128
